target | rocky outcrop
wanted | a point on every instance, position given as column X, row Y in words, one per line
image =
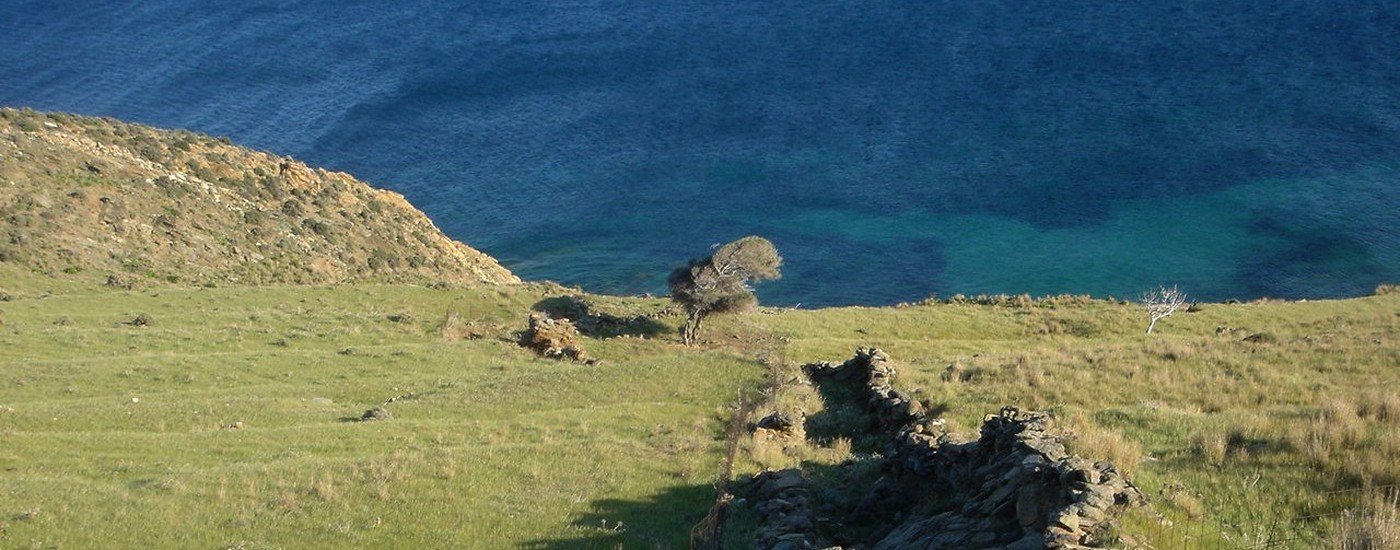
column 553, row 338
column 1018, row 487
column 1015, row 486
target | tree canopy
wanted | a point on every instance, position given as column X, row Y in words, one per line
column 721, row 282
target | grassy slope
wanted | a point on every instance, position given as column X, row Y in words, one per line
column 112, row 433
column 90, row 194
column 1226, row 435
column 504, row 449
column 500, row 449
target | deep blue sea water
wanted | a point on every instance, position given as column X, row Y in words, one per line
column 891, row 150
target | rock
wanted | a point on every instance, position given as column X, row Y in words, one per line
column 776, row 420
column 554, row 338
column 375, row 414
column 784, row 508
column 1017, row 480
column 1014, row 486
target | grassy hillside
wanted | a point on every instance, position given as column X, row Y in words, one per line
column 107, row 198
column 170, row 377
column 1236, row 419
column 227, row 422
column 227, row 419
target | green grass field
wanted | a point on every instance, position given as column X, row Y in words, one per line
column 118, row 435
column 228, row 420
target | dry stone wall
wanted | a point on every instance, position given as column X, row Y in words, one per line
column 1015, row 486
column 872, row 369
column 784, row 507
column 1020, row 488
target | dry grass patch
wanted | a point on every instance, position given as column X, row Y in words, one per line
column 1088, row 439
column 1373, row 526
column 1211, row 446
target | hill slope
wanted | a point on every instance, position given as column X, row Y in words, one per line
column 98, row 195
column 186, row 416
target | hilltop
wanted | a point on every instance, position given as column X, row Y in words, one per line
column 91, row 195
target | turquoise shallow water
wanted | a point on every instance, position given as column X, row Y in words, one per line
column 890, row 150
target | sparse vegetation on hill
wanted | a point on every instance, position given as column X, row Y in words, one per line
column 98, row 199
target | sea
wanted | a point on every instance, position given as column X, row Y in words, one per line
column 892, row 151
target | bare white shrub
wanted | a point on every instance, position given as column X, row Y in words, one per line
column 1161, row 302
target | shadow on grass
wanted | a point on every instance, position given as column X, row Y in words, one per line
column 844, row 415
column 663, row 520
column 599, row 324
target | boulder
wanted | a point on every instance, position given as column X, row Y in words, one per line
column 376, row 414
column 553, row 338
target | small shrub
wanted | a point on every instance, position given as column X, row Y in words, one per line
column 151, row 152
column 1210, row 446
column 1183, row 500
column 382, row 259
column 292, row 207
column 1379, row 405
column 319, row 227
column 954, row 372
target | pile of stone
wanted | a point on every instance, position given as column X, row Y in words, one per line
column 784, row 509
column 779, row 425
column 1015, row 486
column 871, row 367
column 553, row 338
column 1019, row 488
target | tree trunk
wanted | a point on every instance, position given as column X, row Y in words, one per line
column 1151, row 324
column 690, row 331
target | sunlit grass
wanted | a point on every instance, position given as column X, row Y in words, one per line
column 225, row 421
column 1242, row 433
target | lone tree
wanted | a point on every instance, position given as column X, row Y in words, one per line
column 720, row 283
column 1160, row 303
